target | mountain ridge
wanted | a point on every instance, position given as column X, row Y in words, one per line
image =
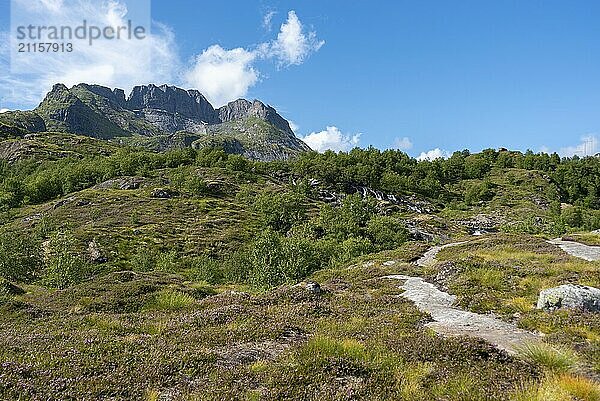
column 161, row 111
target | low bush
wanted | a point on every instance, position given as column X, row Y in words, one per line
column 20, row 257
column 65, row 266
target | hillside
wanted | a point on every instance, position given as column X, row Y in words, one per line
column 159, row 118
column 190, row 273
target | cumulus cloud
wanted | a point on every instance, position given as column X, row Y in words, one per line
column 113, row 63
column 403, row 143
column 268, row 20
column 331, row 139
column 293, row 44
column 3, row 110
column 223, row 75
column 587, row 147
column 434, row 154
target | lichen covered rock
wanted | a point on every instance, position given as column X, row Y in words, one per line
column 570, row 296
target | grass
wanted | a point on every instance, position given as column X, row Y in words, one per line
column 358, row 340
column 550, row 358
column 592, row 239
column 161, row 317
column 563, row 387
column 170, row 300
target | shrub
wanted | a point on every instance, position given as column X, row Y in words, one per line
column 274, row 260
column 20, row 258
column 350, row 249
column 65, row 267
column 204, row 268
column 387, row 232
column 11, row 193
column 347, row 220
column 236, row 267
column 280, row 211
column 43, row 187
column 479, row 192
column 195, row 185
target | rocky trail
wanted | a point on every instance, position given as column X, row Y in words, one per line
column 579, row 250
column 453, row 321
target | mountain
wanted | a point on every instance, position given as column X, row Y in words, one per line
column 159, row 118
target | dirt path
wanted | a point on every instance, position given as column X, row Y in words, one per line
column 429, row 257
column 449, row 320
column 582, row 251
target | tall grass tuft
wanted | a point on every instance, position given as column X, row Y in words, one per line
column 172, row 300
column 550, row 358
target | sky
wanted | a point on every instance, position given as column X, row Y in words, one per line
column 427, row 77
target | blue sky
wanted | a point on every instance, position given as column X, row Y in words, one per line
column 416, row 74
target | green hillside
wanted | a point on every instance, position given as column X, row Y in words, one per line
column 182, row 275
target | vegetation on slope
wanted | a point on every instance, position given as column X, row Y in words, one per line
column 130, row 274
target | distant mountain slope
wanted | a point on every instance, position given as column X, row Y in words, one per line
column 160, row 117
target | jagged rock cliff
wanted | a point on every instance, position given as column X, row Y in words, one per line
column 152, row 114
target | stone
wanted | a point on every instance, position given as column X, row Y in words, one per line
column 570, row 296
column 95, row 254
column 313, row 287
column 174, row 101
column 7, row 288
column 162, row 193
column 174, row 117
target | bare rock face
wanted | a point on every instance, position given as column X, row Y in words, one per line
column 570, row 296
column 242, row 108
column 174, row 101
column 157, row 117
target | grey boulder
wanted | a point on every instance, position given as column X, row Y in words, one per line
column 570, row 296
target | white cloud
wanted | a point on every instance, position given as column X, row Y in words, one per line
column 113, row 63
column 295, row 127
column 403, row 143
column 53, row 6
column 293, row 44
column 434, row 154
column 223, row 75
column 587, row 147
column 268, row 20
column 331, row 139
column 4, row 110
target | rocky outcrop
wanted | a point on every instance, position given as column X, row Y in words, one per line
column 581, row 251
column 172, row 101
column 570, row 296
column 158, row 113
column 451, row 321
column 242, row 108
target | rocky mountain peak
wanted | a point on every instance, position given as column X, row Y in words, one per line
column 170, row 99
column 242, row 108
column 163, row 117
